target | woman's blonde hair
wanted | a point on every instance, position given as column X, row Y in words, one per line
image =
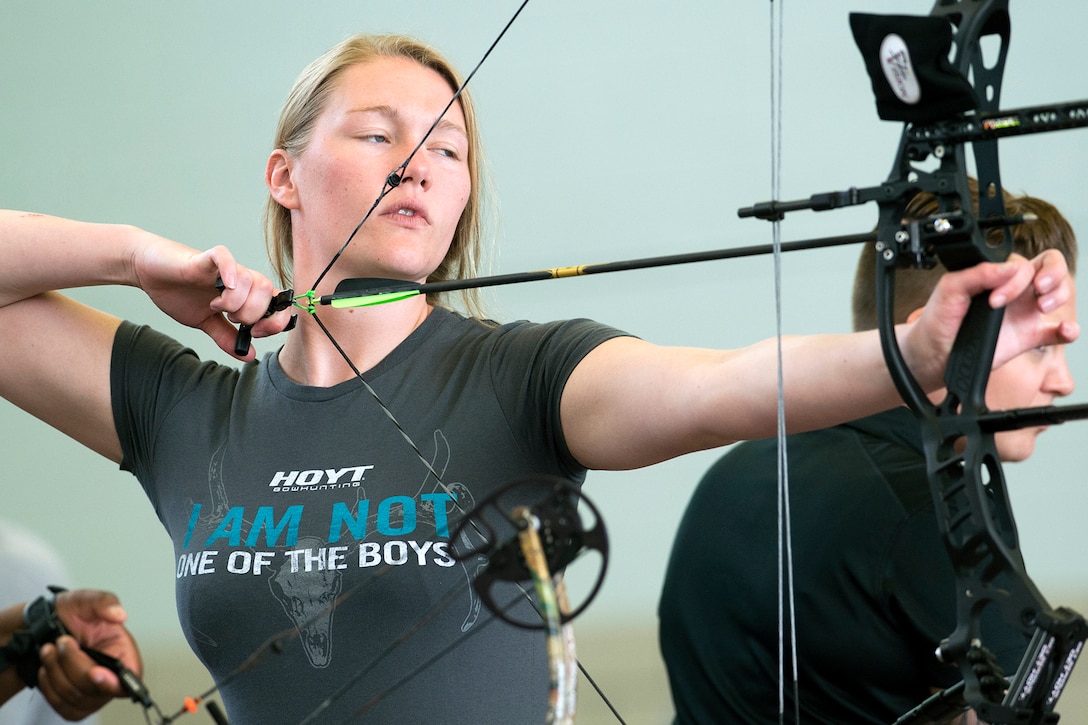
column 306, row 101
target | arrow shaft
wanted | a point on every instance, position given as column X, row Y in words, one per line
column 587, row 269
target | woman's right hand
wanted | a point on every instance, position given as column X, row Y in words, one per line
column 182, row 282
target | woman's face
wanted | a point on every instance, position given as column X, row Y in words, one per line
column 375, row 117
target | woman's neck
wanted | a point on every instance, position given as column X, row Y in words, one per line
column 366, row 334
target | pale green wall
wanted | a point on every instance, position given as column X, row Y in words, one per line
column 614, row 130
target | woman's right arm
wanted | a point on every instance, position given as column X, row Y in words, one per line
column 55, row 353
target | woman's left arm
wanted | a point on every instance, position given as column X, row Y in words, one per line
column 630, row 403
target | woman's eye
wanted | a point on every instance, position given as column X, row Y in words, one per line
column 448, row 145
column 375, row 137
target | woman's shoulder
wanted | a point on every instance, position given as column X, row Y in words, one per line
column 456, row 323
column 142, row 353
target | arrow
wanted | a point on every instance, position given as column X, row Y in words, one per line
column 370, row 291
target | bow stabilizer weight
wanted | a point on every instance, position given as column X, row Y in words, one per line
column 569, row 527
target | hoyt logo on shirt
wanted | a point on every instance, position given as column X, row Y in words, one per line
column 319, row 478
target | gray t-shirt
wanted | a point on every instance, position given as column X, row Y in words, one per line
column 303, row 512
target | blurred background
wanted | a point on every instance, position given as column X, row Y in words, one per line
column 613, row 130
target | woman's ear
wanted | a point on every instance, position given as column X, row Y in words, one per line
column 277, row 176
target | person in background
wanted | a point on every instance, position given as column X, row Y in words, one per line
column 874, row 588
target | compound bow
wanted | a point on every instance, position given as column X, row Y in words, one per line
column 947, row 105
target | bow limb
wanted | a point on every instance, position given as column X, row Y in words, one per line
column 914, row 83
column 965, row 470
